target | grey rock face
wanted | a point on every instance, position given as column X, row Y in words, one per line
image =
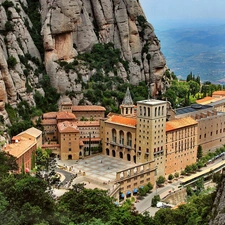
column 218, row 215
column 69, row 27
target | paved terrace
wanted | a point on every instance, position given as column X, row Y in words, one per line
column 97, row 170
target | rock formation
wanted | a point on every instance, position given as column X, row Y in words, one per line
column 69, row 28
column 218, row 211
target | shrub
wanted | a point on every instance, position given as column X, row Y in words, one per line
column 7, row 4
column 9, row 26
column 155, row 200
column 160, row 180
column 11, row 61
column 176, row 174
column 170, row 177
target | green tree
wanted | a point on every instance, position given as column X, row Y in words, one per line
column 160, row 180
column 7, row 163
column 199, row 152
column 46, row 164
column 188, row 169
column 155, row 200
column 176, row 174
column 28, row 197
column 86, row 204
column 170, row 177
column 194, row 87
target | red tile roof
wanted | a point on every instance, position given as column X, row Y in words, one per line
column 20, row 147
column 14, row 138
column 122, row 120
column 67, row 127
column 180, row 123
column 50, row 115
column 205, row 100
column 88, row 108
column 222, row 93
column 65, row 116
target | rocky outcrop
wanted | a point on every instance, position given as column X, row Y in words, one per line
column 16, row 68
column 218, row 211
column 74, row 26
column 69, row 28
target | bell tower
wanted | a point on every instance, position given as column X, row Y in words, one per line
column 127, row 107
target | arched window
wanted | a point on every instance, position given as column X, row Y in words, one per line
column 121, row 155
column 144, row 111
column 148, row 111
column 107, row 151
column 128, row 157
column 121, row 137
column 129, row 139
column 155, row 111
column 113, row 153
column 159, row 111
column 114, row 135
column 162, row 110
column 140, row 110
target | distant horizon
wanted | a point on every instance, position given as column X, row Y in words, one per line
column 175, row 13
column 163, row 25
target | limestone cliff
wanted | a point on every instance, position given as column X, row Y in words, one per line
column 218, row 212
column 70, row 28
column 74, row 26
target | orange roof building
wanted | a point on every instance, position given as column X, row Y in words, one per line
column 65, row 116
column 67, row 127
column 22, row 147
column 205, row 100
column 180, row 123
column 89, row 112
column 181, row 145
column 121, row 120
column 218, row 94
column 70, row 121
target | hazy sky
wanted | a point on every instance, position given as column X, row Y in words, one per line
column 156, row 10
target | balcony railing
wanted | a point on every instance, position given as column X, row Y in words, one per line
column 158, row 152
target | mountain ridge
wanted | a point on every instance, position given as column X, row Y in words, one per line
column 200, row 50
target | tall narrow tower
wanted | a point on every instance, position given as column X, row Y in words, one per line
column 151, row 133
column 127, row 107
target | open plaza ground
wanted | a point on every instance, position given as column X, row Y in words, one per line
column 97, row 171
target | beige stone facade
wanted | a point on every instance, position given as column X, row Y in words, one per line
column 23, row 146
column 120, row 135
column 181, row 144
column 131, row 179
column 91, row 112
column 140, row 138
column 210, row 130
column 67, row 136
column 151, row 133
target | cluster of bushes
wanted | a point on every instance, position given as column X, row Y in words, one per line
column 202, row 161
column 142, row 191
column 181, row 93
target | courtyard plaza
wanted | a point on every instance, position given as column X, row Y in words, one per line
column 95, row 171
